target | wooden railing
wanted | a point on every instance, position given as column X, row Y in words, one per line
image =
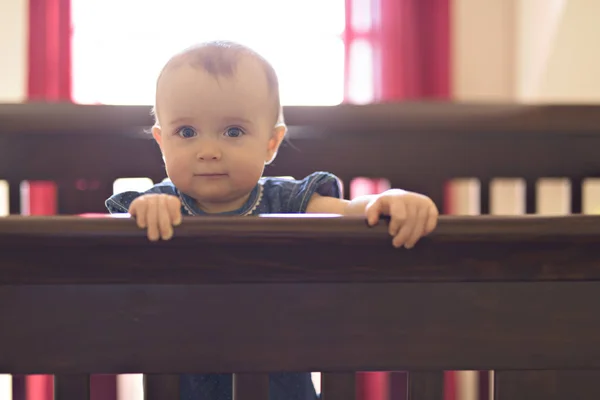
column 516, row 295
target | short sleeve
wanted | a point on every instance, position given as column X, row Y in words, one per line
column 292, row 196
column 119, row 203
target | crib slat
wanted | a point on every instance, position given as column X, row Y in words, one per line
column 72, row 387
column 338, row 386
column 250, row 386
column 18, row 387
column 426, row 385
column 161, row 387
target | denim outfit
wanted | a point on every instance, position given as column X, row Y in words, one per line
column 269, row 196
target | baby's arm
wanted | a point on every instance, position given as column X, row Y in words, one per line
column 412, row 215
column 331, row 205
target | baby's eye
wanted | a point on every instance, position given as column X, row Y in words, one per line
column 186, row 132
column 234, row 132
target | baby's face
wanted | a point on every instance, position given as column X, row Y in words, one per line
column 216, row 133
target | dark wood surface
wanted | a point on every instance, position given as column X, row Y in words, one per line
column 319, row 227
column 422, row 116
column 313, row 304
column 480, row 293
column 296, row 249
column 485, row 313
column 336, row 327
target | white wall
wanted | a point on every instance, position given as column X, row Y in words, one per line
column 526, row 50
column 483, row 50
column 13, row 48
column 572, row 71
column 537, row 25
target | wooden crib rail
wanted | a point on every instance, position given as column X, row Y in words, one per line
column 254, row 295
column 296, row 249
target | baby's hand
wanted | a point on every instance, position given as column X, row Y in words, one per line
column 412, row 215
column 158, row 213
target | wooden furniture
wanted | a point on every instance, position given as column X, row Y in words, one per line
column 417, row 146
column 517, row 295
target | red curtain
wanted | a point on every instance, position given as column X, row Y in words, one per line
column 49, row 50
column 412, row 50
column 410, row 60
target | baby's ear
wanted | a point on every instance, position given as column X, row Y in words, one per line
column 156, row 133
column 276, row 138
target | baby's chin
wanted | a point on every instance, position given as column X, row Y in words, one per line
column 231, row 198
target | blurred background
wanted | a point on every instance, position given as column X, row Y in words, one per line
column 326, row 51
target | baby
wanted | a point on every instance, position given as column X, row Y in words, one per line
column 218, row 124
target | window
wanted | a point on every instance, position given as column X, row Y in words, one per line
column 119, row 46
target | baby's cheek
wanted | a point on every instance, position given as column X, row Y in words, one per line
column 176, row 171
column 249, row 171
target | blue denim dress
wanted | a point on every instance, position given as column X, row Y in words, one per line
column 269, row 196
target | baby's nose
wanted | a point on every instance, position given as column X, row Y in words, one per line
column 209, row 151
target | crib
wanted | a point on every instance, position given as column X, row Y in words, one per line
column 512, row 294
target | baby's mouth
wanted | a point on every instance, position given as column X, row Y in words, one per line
column 211, row 175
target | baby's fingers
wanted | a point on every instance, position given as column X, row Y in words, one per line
column 164, row 218
column 398, row 216
column 373, row 213
column 174, row 206
column 407, row 226
column 432, row 219
column 419, row 228
column 152, row 219
column 138, row 209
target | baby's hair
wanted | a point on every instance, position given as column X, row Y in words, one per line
column 220, row 58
